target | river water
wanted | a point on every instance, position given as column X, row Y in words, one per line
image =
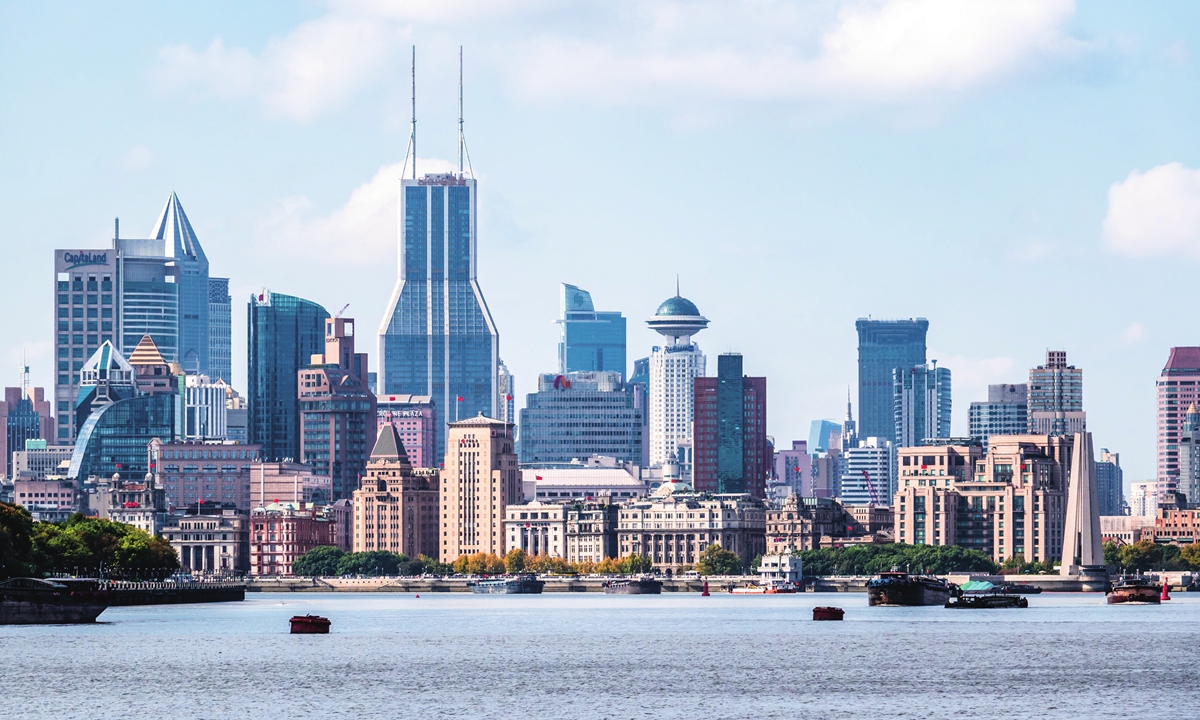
column 598, row 656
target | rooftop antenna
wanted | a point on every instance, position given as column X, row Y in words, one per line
column 462, row 138
column 676, row 284
column 24, row 375
column 411, row 151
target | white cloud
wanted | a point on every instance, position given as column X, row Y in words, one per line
column 648, row 51
column 137, row 157
column 1135, row 333
column 363, row 230
column 1155, row 213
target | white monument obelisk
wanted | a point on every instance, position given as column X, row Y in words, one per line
column 1081, row 533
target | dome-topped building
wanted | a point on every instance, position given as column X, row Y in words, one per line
column 679, row 319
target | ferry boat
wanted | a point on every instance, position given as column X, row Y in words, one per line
column 309, row 625
column 516, row 585
column 771, row 587
column 633, row 586
column 31, row 601
column 1134, row 590
column 898, row 588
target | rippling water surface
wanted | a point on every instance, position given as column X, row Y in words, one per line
column 597, row 656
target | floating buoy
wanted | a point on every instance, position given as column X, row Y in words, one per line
column 418, row 596
column 704, row 593
column 1165, row 596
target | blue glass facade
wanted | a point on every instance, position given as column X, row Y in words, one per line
column 591, row 341
column 438, row 337
column 884, row 346
column 819, row 434
column 116, row 437
column 284, row 332
column 220, row 330
column 921, row 404
column 577, row 415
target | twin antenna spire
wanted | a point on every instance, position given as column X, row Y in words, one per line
column 464, row 157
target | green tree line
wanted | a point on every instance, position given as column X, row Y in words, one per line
column 81, row 546
column 328, row 561
column 874, row 559
column 1147, row 555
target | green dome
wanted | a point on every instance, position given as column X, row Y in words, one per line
column 677, row 306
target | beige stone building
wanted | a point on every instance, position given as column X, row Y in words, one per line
column 537, row 528
column 801, row 522
column 214, row 542
column 674, row 525
column 1010, row 501
column 592, row 531
column 479, row 481
column 394, row 509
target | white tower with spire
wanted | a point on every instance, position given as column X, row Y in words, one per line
column 1082, row 548
column 673, row 370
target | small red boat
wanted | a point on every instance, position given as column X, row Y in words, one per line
column 310, row 624
column 828, row 613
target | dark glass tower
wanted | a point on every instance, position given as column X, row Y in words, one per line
column 885, row 346
column 730, row 431
column 284, row 332
column 220, row 330
column 591, row 341
column 175, row 230
column 437, row 337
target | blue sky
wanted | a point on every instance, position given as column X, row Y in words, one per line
column 1023, row 174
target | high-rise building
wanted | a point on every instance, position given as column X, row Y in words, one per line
column 24, row 415
column 1056, row 397
column 1110, row 481
column 578, row 415
column 729, row 431
column 205, row 409
column 506, row 394
column 156, row 286
column 415, row 419
column 867, row 473
column 673, row 370
column 1178, row 387
column 793, row 468
column 1143, row 499
column 883, row 347
column 922, row 404
column 1006, row 412
column 220, row 330
column 819, row 434
column 193, row 473
column 396, row 510
column 337, row 411
column 479, row 480
column 639, row 384
column 591, row 341
column 104, row 379
column 1188, row 480
column 438, row 337
column 284, row 333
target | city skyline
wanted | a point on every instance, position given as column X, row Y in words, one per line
column 965, row 149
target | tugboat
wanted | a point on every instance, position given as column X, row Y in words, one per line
column 828, row 613
column 1134, row 590
column 516, row 585
column 30, row 601
column 898, row 588
column 983, row 595
column 633, row 586
column 309, row 625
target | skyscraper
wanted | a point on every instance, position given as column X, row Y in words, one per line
column 922, row 404
column 337, row 411
column 284, row 332
column 819, row 434
column 866, row 472
column 794, row 468
column 730, row 431
column 673, row 369
column 1006, row 412
column 220, row 330
column 1110, row 481
column 505, row 394
column 479, row 481
column 590, row 340
column 578, row 415
column 438, row 337
column 24, row 415
column 1056, row 397
column 883, row 347
column 1178, row 387
column 175, row 231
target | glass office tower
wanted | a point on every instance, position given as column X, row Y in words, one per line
column 220, row 330
column 922, row 404
column 284, row 333
column 883, row 347
column 591, row 341
column 438, row 337
column 179, row 242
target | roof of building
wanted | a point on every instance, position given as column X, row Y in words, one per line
column 106, row 357
column 1183, row 360
column 146, row 353
column 582, row 476
column 677, row 306
column 173, row 227
column 479, row 421
column 388, row 445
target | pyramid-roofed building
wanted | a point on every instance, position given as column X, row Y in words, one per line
column 175, row 230
column 146, row 353
column 395, row 510
column 389, row 447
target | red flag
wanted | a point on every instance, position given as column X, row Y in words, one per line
column 460, row 398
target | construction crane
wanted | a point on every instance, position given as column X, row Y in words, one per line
column 871, row 488
column 339, row 313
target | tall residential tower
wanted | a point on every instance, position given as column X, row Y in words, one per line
column 673, row 370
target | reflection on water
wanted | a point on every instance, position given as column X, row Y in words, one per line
column 598, row 656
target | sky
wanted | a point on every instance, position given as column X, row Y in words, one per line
column 1023, row 173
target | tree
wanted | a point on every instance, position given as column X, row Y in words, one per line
column 321, row 561
column 514, row 561
column 480, row 563
column 1140, row 556
column 371, row 564
column 16, row 544
column 716, row 560
column 873, row 559
column 756, row 563
column 89, row 545
column 1111, row 555
column 1190, row 554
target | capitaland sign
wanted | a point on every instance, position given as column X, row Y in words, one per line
column 75, row 259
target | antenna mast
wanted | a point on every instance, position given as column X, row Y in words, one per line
column 462, row 138
column 411, row 151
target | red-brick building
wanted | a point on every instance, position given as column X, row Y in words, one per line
column 729, row 431
column 282, row 532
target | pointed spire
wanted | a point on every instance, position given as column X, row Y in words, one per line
column 173, row 227
column 146, row 353
column 388, row 445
